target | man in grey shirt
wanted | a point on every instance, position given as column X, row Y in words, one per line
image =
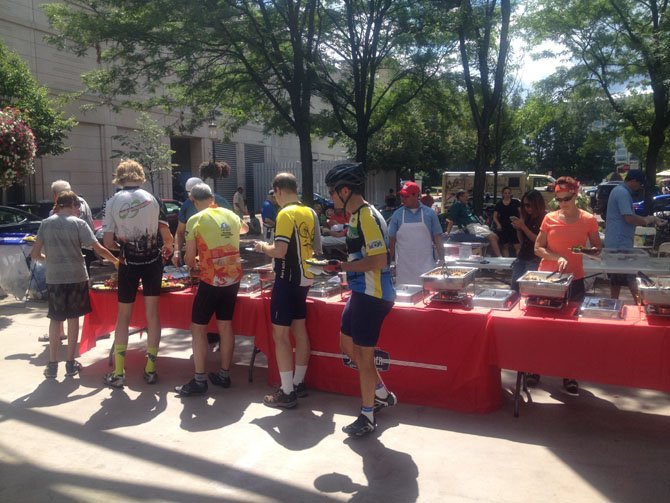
column 62, row 236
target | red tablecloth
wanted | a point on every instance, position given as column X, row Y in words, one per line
column 631, row 352
column 439, row 356
column 252, row 316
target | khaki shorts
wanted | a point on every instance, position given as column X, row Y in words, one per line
column 479, row 230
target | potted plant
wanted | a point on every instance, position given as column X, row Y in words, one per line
column 17, row 148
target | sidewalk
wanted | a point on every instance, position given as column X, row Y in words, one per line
column 74, row 440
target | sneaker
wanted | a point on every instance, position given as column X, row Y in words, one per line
column 217, row 380
column 280, row 399
column 51, row 371
column 45, row 338
column 389, row 401
column 192, row 387
column 113, row 380
column 72, row 368
column 300, row 390
column 571, row 386
column 362, row 426
column 532, row 380
column 150, row 377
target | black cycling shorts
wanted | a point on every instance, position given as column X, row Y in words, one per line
column 129, row 280
column 214, row 299
column 68, row 300
column 289, row 302
column 362, row 318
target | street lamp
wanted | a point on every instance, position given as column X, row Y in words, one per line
column 213, row 133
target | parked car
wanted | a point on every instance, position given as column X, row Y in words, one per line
column 169, row 206
column 602, row 196
column 16, row 220
column 661, row 203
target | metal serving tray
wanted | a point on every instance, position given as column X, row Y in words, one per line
column 494, row 298
column 659, row 294
column 323, row 290
column 250, row 283
column 408, row 294
column 265, row 272
column 438, row 279
column 601, row 307
column 536, row 284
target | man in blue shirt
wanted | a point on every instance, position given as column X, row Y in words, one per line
column 413, row 229
column 269, row 216
column 620, row 226
column 461, row 215
column 186, row 211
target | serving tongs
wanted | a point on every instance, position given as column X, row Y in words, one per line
column 646, row 279
column 445, row 270
column 560, row 280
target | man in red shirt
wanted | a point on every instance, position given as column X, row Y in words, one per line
column 427, row 199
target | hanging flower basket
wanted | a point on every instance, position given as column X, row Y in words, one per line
column 17, row 148
column 214, row 170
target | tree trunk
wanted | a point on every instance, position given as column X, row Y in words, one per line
column 306, row 165
column 481, row 164
column 656, row 140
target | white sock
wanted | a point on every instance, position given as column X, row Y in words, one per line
column 381, row 391
column 299, row 376
column 286, row 382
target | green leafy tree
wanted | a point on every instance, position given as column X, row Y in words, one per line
column 375, row 58
column 622, row 48
column 146, row 145
column 484, row 43
column 250, row 59
column 20, row 90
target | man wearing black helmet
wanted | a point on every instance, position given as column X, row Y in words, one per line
column 372, row 292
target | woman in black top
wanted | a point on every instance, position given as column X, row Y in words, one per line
column 533, row 209
column 504, row 212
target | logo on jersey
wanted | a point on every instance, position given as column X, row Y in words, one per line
column 130, row 210
column 373, row 245
column 225, row 230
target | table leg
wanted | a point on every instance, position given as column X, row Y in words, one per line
column 520, row 376
column 251, row 364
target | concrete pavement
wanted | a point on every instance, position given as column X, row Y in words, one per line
column 72, row 439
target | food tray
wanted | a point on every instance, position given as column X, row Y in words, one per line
column 601, row 307
column 323, row 290
column 408, row 294
column 100, row 286
column 536, row 284
column 250, row 283
column 265, row 272
column 494, row 298
column 658, row 294
column 457, row 278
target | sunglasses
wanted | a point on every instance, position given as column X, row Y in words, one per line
column 564, row 199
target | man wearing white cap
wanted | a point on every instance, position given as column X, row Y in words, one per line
column 186, row 211
column 413, row 229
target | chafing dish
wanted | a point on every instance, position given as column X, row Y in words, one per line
column 656, row 294
column 601, row 307
column 322, row 290
column 448, row 278
column 250, row 283
column 495, row 299
column 265, row 273
column 540, row 284
column 408, row 294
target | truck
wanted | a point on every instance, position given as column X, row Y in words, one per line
column 519, row 181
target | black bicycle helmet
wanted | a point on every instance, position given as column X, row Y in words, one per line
column 345, row 175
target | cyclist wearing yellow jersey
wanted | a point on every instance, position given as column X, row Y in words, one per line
column 296, row 231
column 372, row 291
column 213, row 235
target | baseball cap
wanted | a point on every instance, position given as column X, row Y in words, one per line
column 636, row 175
column 409, row 188
column 192, row 182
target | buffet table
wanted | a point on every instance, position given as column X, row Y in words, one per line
column 634, row 351
column 436, row 355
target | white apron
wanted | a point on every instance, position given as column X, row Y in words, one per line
column 413, row 251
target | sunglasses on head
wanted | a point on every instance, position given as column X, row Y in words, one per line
column 564, row 199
